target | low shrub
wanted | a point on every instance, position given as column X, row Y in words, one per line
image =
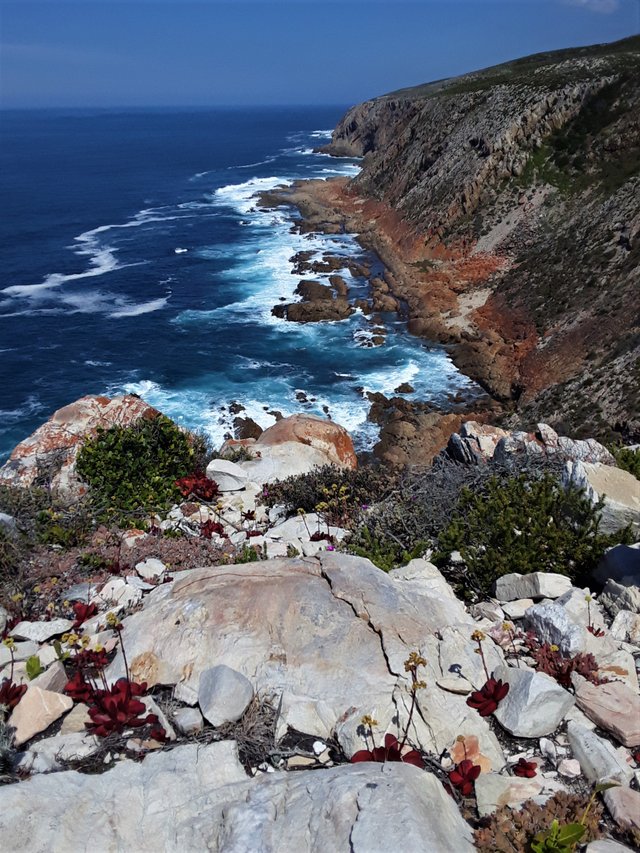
column 520, row 524
column 627, row 459
column 340, row 495
column 132, row 470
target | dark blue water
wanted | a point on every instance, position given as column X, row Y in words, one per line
column 133, row 259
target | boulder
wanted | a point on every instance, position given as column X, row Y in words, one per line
column 534, row 585
column 341, row 808
column 552, row 624
column 546, row 442
column 613, row 707
column 328, row 635
column 599, row 760
column 626, row 627
column 621, row 564
column 315, row 432
column 54, row 446
column 41, row 631
column 149, row 569
column 223, row 694
column 624, row 807
column 620, row 490
column 621, row 596
column 229, row 476
column 475, row 443
column 535, row 704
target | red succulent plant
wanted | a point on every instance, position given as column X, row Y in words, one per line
column 208, row 528
column 10, row 694
column 391, row 751
column 525, row 769
column 78, row 688
column 487, row 699
column 83, row 612
column 118, row 709
column 198, row 485
column 464, row 775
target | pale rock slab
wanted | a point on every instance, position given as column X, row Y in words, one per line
column 624, row 806
column 552, row 624
column 229, row 476
column 613, row 707
column 223, row 694
column 607, row 845
column 188, row 721
column 599, row 760
column 36, row 711
column 75, row 720
column 343, row 808
column 54, row 678
column 49, row 754
column 579, row 610
column 21, row 651
column 517, row 609
column 39, row 632
column 535, row 704
column 494, row 790
column 620, row 596
column 534, row 585
column 150, row 569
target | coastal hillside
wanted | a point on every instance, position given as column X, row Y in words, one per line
column 516, row 191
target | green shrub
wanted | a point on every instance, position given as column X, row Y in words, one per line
column 384, row 553
column 627, row 459
column 338, row 494
column 132, row 470
column 524, row 525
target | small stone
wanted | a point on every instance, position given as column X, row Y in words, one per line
column 494, row 790
column 570, row 768
column 598, row 759
column 319, row 747
column 613, row 707
column 183, row 693
column 75, row 720
column 151, row 569
column 300, row 761
column 130, row 538
column 36, row 711
column 118, row 592
column 80, row 592
column 223, row 694
column 535, row 704
column 229, row 476
column 54, row 678
column 534, row 585
column 517, row 609
column 626, row 627
column 188, row 721
column 39, row 632
column 138, row 583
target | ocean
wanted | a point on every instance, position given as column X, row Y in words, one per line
column 135, row 260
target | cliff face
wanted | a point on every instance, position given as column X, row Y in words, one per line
column 533, row 167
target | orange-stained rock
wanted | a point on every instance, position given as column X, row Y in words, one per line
column 321, row 434
column 55, row 444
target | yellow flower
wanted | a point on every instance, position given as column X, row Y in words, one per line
column 85, row 642
column 554, row 648
column 414, row 661
column 478, row 636
column 66, row 603
column 9, row 642
column 37, row 588
column 111, row 620
column 588, row 597
column 18, row 596
column 368, row 721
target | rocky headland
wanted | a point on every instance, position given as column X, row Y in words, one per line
column 504, row 207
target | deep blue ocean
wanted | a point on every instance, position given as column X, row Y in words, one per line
column 133, row 259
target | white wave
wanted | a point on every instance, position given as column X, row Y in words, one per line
column 180, row 251
column 95, row 363
column 386, row 381
column 143, row 308
column 241, row 197
column 253, row 165
column 321, row 134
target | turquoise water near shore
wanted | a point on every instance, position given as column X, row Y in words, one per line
column 136, row 260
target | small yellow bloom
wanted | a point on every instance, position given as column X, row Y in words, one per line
column 478, row 636
column 66, row 603
column 18, row 596
column 368, row 721
column 588, row 597
column 554, row 648
column 37, row 588
column 111, row 620
column 9, row 642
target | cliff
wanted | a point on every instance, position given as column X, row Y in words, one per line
column 519, row 187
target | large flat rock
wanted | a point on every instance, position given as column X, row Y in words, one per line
column 197, row 798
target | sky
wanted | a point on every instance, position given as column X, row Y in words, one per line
column 137, row 53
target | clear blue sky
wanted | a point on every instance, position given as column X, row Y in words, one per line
column 177, row 52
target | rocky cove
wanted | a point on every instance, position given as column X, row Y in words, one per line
column 270, row 644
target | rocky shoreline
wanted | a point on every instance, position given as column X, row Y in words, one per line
column 441, row 308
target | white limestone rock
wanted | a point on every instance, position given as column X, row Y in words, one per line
column 535, row 704
column 39, row 632
column 534, row 585
column 229, row 476
column 151, row 569
column 599, row 761
column 223, row 694
column 552, row 624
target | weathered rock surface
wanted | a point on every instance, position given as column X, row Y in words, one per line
column 337, row 809
column 229, row 476
column 312, row 431
column 494, row 790
column 56, row 443
column 614, row 707
column 620, row 490
column 328, row 634
column 552, row 624
column 624, row 806
column 41, row 631
column 535, row 704
column 599, row 760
